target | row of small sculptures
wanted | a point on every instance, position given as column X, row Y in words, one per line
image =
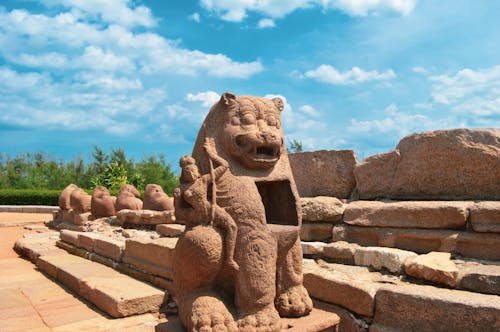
column 102, row 204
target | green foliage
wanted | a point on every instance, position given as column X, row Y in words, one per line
column 295, row 146
column 29, row 197
column 113, row 169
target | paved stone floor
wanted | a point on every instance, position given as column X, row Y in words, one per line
column 30, row 301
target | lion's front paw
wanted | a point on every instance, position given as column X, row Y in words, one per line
column 294, row 302
column 265, row 320
column 208, row 314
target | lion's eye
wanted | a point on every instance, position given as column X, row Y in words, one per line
column 248, row 119
column 271, row 121
column 235, row 121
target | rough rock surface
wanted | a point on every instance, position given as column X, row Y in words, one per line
column 480, row 278
column 312, row 248
column 156, row 199
column 351, row 287
column 458, row 164
column 145, row 217
column 324, row 173
column 321, row 208
column 383, row 258
column 316, row 231
column 170, row 230
column 432, row 309
column 340, row 252
column 411, row 214
column 434, row 266
column 485, row 217
column 153, row 256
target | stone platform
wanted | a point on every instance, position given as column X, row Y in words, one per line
column 318, row 320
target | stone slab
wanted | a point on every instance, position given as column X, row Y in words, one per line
column 33, row 248
column 340, row 252
column 380, row 258
column 319, row 320
column 427, row 308
column 324, row 173
column 154, row 256
column 170, row 230
column 485, row 217
column 86, row 240
column 351, row 287
column 321, row 208
column 409, row 214
column 312, row 248
column 110, row 248
column 480, row 278
column 115, row 293
column 69, row 236
column 467, row 244
column 145, row 217
column 434, row 266
column 316, row 231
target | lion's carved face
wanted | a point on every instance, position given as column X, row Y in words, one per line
column 252, row 131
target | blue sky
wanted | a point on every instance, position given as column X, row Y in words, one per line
column 141, row 75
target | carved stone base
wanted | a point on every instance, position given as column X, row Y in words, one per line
column 317, row 321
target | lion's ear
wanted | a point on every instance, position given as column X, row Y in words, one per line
column 279, row 103
column 228, row 98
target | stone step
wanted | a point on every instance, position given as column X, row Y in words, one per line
column 111, row 291
column 408, row 214
column 467, row 244
column 396, row 305
column 426, row 308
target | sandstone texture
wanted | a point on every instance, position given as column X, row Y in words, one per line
column 432, row 309
column 481, row 278
column 324, row 173
column 457, row 164
column 316, row 231
column 411, row 214
column 434, row 266
column 340, row 252
column 383, row 258
column 312, row 248
column 145, row 217
column 485, row 217
column 116, row 294
column 351, row 287
column 321, row 208
column 156, row 199
column 153, row 256
column 170, row 230
column 467, row 244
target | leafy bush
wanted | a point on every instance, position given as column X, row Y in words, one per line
column 29, row 197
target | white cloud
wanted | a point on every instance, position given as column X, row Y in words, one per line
column 87, row 45
column 236, row 10
column 194, row 17
column 329, row 74
column 419, row 70
column 397, row 124
column 120, row 12
column 207, row 98
column 309, row 110
column 266, row 23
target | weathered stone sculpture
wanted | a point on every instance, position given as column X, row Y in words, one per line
column 257, row 192
column 102, row 203
column 64, row 198
column 156, row 199
column 80, row 201
column 128, row 198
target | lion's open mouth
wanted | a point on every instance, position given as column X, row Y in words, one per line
column 261, row 152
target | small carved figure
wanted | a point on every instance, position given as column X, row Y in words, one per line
column 194, row 191
column 64, row 198
column 80, row 201
column 102, row 204
column 156, row 199
column 128, row 198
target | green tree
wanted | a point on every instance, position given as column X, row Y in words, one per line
column 295, row 146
